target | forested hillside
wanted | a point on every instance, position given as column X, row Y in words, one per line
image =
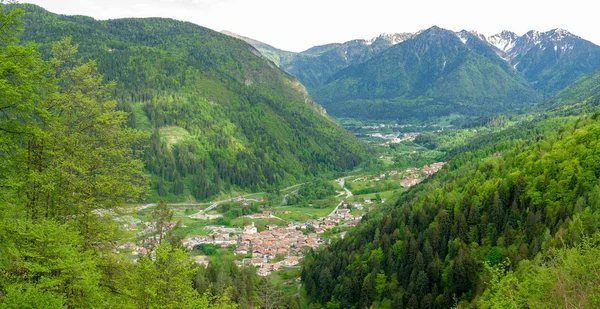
column 580, row 91
column 218, row 114
column 68, row 165
column 508, row 202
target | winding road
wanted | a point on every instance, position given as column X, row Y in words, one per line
column 342, row 184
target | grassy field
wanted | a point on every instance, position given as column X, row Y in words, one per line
column 141, row 119
column 173, row 135
column 359, row 185
column 195, row 227
column 302, row 214
column 259, row 195
column 283, row 276
column 336, row 185
column 384, row 194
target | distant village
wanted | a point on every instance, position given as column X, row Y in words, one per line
column 413, row 176
column 396, row 138
column 269, row 250
column 410, row 176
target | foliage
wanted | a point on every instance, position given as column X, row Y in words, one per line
column 164, row 281
column 222, row 276
column 68, row 163
column 161, row 215
column 567, row 277
column 310, row 192
column 540, row 193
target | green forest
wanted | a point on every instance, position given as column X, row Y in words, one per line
column 489, row 231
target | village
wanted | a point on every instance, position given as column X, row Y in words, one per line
column 410, row 176
column 275, row 247
column 413, row 176
column 396, row 138
column 272, row 247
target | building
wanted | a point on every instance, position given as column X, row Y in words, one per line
column 250, row 229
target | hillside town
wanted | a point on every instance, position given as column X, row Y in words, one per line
column 413, row 176
column 275, row 247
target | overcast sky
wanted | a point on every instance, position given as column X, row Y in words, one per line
column 300, row 24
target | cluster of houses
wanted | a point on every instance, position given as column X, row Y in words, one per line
column 344, row 213
column 382, row 125
column 282, row 242
column 413, row 176
column 396, row 138
column 264, row 267
column 219, row 235
column 263, row 215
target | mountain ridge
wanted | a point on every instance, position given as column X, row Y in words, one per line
column 543, row 62
column 239, row 121
column 437, row 65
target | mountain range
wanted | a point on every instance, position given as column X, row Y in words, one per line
column 436, row 71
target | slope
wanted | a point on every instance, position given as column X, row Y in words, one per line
column 432, row 74
column 584, row 89
column 253, row 126
column 540, row 191
column 276, row 55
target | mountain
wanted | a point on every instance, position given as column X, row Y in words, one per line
column 533, row 66
column 219, row 115
column 586, row 90
column 276, row 55
column 316, row 65
column 550, row 60
column 434, row 73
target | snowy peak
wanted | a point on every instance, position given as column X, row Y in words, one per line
column 510, row 46
column 503, row 41
column 559, row 34
column 396, row 38
column 532, row 36
column 464, row 35
column 392, row 38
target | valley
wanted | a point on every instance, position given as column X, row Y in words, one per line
column 271, row 231
column 156, row 163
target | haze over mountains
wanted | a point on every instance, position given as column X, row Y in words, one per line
column 436, row 71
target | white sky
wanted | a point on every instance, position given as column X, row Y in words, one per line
column 300, row 24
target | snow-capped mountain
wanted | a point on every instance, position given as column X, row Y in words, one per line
column 392, row 38
column 549, row 61
column 513, row 46
column 503, row 41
